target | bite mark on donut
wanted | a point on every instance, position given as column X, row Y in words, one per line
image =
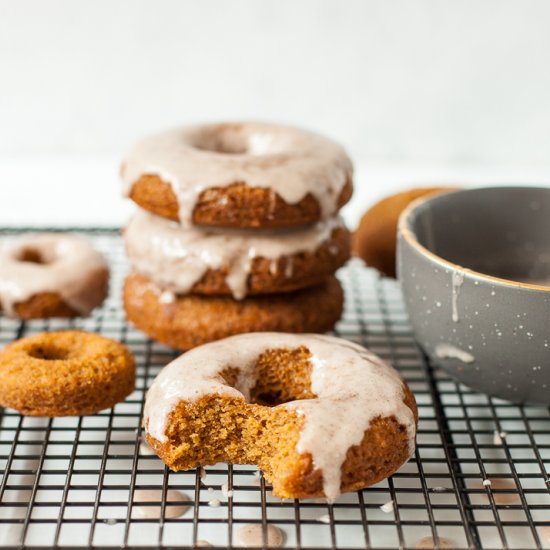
column 258, row 430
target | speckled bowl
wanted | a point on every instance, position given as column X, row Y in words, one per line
column 459, row 258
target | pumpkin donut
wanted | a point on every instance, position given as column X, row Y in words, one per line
column 375, row 240
column 188, row 320
column 69, row 373
column 318, row 414
column 51, row 275
column 231, row 262
column 246, row 175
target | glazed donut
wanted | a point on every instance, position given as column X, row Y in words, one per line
column 239, row 175
column 186, row 321
column 375, row 240
column 183, row 260
column 51, row 275
column 318, row 414
column 70, row 373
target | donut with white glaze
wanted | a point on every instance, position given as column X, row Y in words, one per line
column 318, row 414
column 234, row 262
column 246, row 175
column 51, row 275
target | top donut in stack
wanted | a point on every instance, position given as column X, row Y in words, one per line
column 239, row 220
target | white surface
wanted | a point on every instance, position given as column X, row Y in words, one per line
column 418, row 91
column 79, row 190
column 406, row 81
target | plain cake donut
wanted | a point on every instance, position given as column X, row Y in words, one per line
column 51, row 275
column 233, row 262
column 68, row 373
column 189, row 320
column 318, row 414
column 375, row 240
column 239, row 175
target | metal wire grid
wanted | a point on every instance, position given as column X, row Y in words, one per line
column 73, row 482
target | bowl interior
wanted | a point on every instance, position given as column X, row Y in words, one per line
column 499, row 231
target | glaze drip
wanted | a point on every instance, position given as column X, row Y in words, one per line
column 353, row 386
column 252, row 536
column 457, row 280
column 176, row 258
column 447, row 351
column 180, row 503
column 290, row 161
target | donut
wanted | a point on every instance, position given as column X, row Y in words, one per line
column 234, row 262
column 317, row 414
column 375, row 240
column 246, row 175
column 188, row 320
column 69, row 373
column 51, row 275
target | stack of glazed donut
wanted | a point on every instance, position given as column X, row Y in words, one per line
column 238, row 231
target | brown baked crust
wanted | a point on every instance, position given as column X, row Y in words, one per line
column 45, row 305
column 375, row 240
column 236, row 205
column 192, row 320
column 222, row 429
column 271, row 277
column 69, row 373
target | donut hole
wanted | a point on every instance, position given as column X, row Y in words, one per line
column 282, row 375
column 227, row 145
column 33, row 255
column 232, row 139
column 49, row 352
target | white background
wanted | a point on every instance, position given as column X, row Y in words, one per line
column 419, row 91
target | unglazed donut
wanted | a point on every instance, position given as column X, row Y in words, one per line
column 319, row 415
column 51, row 275
column 69, row 373
column 375, row 240
column 239, row 175
column 240, row 263
column 188, row 320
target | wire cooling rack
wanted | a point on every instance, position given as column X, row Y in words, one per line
column 478, row 478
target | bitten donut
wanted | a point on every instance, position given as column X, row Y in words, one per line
column 240, row 263
column 185, row 321
column 239, row 175
column 70, row 373
column 318, row 414
column 375, row 240
column 51, row 275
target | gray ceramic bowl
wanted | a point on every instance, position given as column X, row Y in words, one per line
column 460, row 257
